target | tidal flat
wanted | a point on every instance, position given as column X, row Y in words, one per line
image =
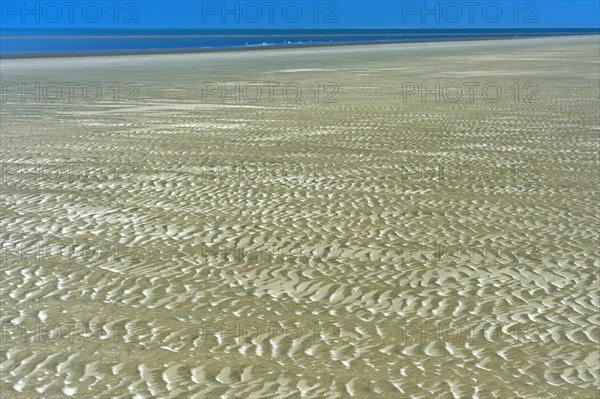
column 384, row 221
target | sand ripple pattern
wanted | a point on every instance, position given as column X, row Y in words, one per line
column 154, row 316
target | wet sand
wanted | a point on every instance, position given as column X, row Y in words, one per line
column 178, row 236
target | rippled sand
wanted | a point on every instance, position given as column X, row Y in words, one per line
column 407, row 283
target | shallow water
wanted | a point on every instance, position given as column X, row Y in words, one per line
column 177, row 236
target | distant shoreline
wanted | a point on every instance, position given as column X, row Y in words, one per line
column 278, row 46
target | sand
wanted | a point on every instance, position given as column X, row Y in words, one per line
column 177, row 236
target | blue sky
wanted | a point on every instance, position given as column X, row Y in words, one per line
column 77, row 26
column 298, row 14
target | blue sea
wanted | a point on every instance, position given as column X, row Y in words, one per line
column 16, row 43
